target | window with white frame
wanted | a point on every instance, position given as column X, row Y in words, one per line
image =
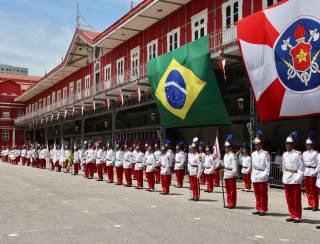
column 135, row 58
column 6, row 114
column 44, row 103
column 53, row 98
column 268, row 3
column 87, row 85
column 79, row 89
column 152, row 49
column 71, row 89
column 199, row 23
column 231, row 12
column 107, row 76
column 48, row 101
column 5, row 135
column 120, row 70
column 173, row 39
column 59, row 97
column 64, row 95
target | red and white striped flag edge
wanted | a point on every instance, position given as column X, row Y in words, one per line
column 280, row 48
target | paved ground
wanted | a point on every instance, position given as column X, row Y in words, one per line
column 39, row 206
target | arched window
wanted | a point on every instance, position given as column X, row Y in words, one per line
column 97, row 75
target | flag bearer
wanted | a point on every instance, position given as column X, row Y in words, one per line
column 119, row 163
column 157, row 154
column 229, row 164
column 195, row 170
column 150, row 162
column 209, row 168
column 90, row 160
column 99, row 162
column 165, row 171
column 127, row 164
column 179, row 166
column 110, row 157
column 139, row 164
column 260, row 175
column 76, row 160
column 309, row 158
column 293, row 170
column 245, row 161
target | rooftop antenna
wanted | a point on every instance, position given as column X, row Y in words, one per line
column 82, row 19
column 78, row 16
column 131, row 4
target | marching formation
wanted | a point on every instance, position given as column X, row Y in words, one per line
column 200, row 161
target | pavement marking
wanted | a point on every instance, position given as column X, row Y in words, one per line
column 259, row 237
column 153, row 206
column 117, row 226
column 125, row 198
column 251, row 238
column 85, row 211
column 284, row 240
column 13, row 235
column 37, row 189
column 196, row 218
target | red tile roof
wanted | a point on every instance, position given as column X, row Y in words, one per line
column 5, row 77
column 89, row 34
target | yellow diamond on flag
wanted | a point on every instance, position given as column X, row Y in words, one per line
column 178, row 89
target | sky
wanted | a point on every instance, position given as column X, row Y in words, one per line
column 36, row 33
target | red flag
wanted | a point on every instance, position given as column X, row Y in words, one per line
column 216, row 149
column 139, row 94
column 222, row 65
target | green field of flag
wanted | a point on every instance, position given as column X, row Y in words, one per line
column 185, row 87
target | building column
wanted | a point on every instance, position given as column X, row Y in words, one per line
column 34, row 136
column 13, row 136
column 25, row 136
column 61, row 133
column 113, row 126
column 46, row 134
column 82, row 131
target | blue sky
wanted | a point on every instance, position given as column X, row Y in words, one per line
column 37, row 33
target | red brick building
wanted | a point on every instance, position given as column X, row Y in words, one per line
column 70, row 102
column 11, row 86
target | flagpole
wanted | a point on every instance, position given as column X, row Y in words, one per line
column 221, row 175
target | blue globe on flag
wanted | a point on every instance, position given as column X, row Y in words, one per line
column 175, row 89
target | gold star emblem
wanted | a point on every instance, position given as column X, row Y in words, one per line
column 302, row 56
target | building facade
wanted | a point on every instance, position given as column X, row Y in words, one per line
column 14, row 70
column 101, row 87
column 11, row 86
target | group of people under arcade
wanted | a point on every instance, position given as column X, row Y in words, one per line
column 201, row 162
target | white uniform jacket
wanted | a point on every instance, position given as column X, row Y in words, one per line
column 157, row 155
column 310, row 163
column 195, row 165
column 119, row 158
column 139, row 161
column 293, row 168
column 76, row 157
column 150, row 162
column 245, row 162
column 90, row 156
column 318, row 171
column 180, row 160
column 99, row 156
column 230, row 165
column 127, row 160
column 165, row 164
column 260, row 166
column 209, row 164
column 109, row 157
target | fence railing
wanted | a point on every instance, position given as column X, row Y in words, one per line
column 225, row 37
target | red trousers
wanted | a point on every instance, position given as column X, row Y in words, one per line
column 261, row 193
column 90, row 169
column 58, row 166
column 209, row 179
column 51, row 165
column 216, row 178
column 203, row 179
column 119, row 172
column 157, row 174
column 195, row 186
column 139, row 178
column 128, row 176
column 133, row 171
column 100, row 171
column 151, row 180
column 28, row 162
column 247, row 181
column 165, row 183
column 110, row 173
column 76, row 168
column 311, row 191
column 180, row 176
column 23, row 161
column 85, row 168
column 231, row 189
column 293, row 197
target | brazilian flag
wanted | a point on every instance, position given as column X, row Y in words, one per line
column 185, row 87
